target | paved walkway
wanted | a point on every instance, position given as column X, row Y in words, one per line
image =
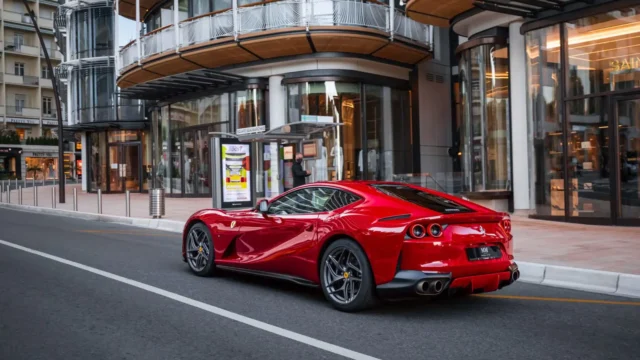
column 605, row 248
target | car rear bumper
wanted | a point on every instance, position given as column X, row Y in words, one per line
column 412, row 283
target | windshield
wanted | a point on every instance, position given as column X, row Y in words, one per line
column 423, row 199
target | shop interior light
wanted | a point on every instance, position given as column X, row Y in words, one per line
column 595, row 35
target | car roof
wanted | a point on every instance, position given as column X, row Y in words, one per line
column 360, row 186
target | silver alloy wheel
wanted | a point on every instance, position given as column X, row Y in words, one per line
column 197, row 249
column 342, row 275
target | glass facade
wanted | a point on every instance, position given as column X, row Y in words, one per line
column 181, row 138
column 485, row 141
column 93, row 30
column 584, row 122
column 374, row 139
column 119, row 161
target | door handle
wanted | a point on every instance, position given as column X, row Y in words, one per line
column 309, row 228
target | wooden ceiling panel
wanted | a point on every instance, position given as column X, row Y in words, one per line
column 279, row 46
column 401, row 53
column 437, row 12
column 171, row 66
column 138, row 76
column 124, row 84
column 352, row 43
column 220, row 56
column 127, row 8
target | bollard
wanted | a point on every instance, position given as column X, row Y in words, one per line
column 75, row 199
column 127, row 203
column 9, row 193
column 1, row 193
column 20, row 195
column 99, row 201
column 35, row 196
column 16, row 183
column 53, row 197
column 33, row 181
column 24, row 182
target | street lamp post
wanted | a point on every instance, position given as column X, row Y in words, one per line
column 58, row 107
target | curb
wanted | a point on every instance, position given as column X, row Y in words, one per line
column 157, row 224
column 604, row 282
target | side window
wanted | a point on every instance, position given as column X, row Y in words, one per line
column 304, row 201
column 340, row 199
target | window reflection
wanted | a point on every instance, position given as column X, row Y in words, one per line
column 484, row 73
column 604, row 52
column 545, row 134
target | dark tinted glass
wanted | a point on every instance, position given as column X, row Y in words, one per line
column 339, row 199
column 423, row 199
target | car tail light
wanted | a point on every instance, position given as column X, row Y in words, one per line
column 417, row 231
column 506, row 224
column 435, row 230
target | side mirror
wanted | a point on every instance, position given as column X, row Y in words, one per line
column 263, row 206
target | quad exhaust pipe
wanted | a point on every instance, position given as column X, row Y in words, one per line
column 515, row 275
column 430, row 288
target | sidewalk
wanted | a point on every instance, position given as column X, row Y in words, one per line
column 543, row 247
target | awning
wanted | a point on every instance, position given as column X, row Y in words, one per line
column 296, row 131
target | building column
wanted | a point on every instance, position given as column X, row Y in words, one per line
column 85, row 165
column 176, row 23
column 116, row 48
column 277, row 117
column 138, row 45
column 518, row 117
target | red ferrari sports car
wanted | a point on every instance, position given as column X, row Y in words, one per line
column 359, row 241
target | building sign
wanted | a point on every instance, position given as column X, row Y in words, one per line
column 49, row 122
column 236, row 174
column 287, row 152
column 22, row 121
column 625, row 64
column 43, row 154
column 251, row 130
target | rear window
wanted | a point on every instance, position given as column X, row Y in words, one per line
column 423, row 199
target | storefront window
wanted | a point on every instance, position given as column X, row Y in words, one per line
column 484, row 77
column 603, row 52
column 545, row 137
column 98, row 161
column 249, row 108
column 41, row 168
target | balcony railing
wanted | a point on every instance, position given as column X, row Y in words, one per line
column 23, row 47
column 158, row 41
column 22, row 111
column 276, row 15
column 21, row 79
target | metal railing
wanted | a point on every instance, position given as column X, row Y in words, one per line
column 128, row 54
column 158, row 42
column 206, row 28
column 19, row 110
column 277, row 15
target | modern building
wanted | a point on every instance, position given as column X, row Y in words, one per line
column 114, row 137
column 234, row 88
column 28, row 121
column 547, row 95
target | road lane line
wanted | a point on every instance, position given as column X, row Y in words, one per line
column 567, row 300
column 206, row 307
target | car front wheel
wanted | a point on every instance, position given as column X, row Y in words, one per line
column 346, row 277
column 200, row 255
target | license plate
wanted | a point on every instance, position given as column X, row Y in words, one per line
column 484, row 253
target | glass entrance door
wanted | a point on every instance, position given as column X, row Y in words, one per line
column 124, row 167
column 628, row 136
column 195, row 161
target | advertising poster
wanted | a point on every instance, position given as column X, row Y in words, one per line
column 236, row 173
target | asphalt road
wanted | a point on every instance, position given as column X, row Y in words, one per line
column 56, row 304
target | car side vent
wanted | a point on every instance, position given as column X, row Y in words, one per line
column 396, row 217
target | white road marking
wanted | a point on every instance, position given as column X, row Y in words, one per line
column 206, row 307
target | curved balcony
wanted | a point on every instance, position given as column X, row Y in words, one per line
column 437, row 12
column 275, row 30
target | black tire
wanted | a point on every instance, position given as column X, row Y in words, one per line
column 209, row 268
column 365, row 297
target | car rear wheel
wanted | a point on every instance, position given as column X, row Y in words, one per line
column 200, row 250
column 346, row 277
